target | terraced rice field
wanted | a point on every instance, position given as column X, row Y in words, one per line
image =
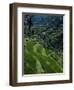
column 38, row 59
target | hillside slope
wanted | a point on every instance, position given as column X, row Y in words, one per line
column 39, row 60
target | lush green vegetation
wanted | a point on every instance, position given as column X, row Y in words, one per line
column 43, row 44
